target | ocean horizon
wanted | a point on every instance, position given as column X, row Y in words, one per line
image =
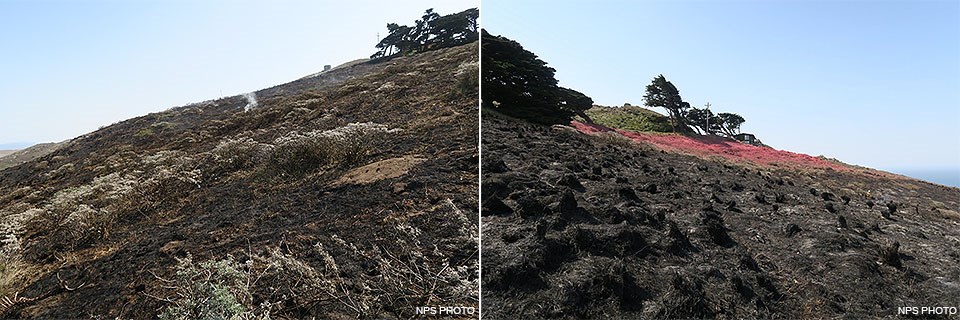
column 945, row 176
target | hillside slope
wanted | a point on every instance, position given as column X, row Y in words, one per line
column 598, row 226
column 630, row 117
column 351, row 193
column 15, row 157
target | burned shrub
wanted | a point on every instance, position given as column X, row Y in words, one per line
column 571, row 181
column 827, row 196
column 713, row 224
column 780, row 198
column 887, row 213
column 890, row 254
column 676, row 241
column 683, row 299
column 841, row 222
column 760, row 198
column 628, row 194
column 650, row 188
column 829, row 206
column 495, row 206
column 613, row 241
column 791, row 229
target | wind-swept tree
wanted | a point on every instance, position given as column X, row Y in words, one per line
column 701, row 120
column 455, row 29
column 663, row 94
column 423, row 30
column 729, row 123
column 430, row 32
column 575, row 102
column 398, row 40
column 518, row 84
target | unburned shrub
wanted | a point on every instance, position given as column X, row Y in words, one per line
column 236, row 154
column 297, row 154
column 214, row 289
column 468, row 78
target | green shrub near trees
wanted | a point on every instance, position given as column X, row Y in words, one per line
column 631, row 118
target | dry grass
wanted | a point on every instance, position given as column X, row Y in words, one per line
column 613, row 138
column 949, row 214
column 395, row 277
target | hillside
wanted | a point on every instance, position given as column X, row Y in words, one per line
column 347, row 194
column 630, row 117
column 729, row 149
column 16, row 157
column 596, row 225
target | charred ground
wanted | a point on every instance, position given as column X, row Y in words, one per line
column 281, row 210
column 597, row 226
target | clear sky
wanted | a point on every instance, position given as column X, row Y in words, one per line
column 873, row 83
column 68, row 67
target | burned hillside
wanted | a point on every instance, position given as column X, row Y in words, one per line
column 347, row 194
column 579, row 225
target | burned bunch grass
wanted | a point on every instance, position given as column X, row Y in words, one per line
column 211, row 210
column 592, row 226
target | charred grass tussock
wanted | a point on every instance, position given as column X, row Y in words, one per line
column 587, row 226
column 227, row 212
column 394, row 276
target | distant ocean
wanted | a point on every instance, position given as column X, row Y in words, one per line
column 947, row 177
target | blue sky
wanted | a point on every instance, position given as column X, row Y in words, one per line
column 873, row 83
column 70, row 67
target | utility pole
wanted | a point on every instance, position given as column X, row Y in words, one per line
column 708, row 117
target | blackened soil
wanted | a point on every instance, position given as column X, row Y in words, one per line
column 398, row 243
column 578, row 226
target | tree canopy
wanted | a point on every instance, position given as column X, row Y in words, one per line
column 431, row 32
column 729, row 123
column 703, row 120
column 662, row 93
column 517, row 83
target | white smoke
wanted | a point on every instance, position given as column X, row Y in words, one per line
column 251, row 101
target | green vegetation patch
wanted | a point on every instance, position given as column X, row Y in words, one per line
column 629, row 117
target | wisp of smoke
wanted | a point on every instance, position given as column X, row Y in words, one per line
column 251, row 101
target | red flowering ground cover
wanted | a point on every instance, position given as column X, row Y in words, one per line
column 723, row 147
